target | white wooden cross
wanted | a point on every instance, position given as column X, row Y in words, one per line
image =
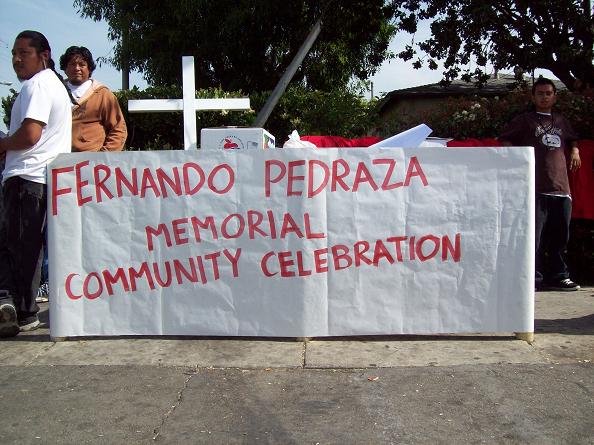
column 189, row 104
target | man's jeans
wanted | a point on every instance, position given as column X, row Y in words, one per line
column 22, row 230
column 553, row 214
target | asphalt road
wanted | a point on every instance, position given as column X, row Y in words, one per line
column 372, row 390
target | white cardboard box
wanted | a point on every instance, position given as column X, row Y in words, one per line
column 234, row 138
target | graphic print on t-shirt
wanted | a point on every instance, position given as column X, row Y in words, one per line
column 551, row 136
column 551, row 141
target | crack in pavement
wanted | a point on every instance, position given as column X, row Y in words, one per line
column 39, row 354
column 180, row 395
column 304, row 355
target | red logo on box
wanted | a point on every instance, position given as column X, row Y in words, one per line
column 231, row 143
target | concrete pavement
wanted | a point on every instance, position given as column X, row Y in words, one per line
column 404, row 389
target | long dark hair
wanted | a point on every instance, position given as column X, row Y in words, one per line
column 40, row 43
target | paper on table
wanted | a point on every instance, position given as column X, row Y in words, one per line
column 409, row 138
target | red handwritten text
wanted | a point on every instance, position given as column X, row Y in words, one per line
column 395, row 249
column 199, row 269
column 109, row 183
column 253, row 224
column 312, row 177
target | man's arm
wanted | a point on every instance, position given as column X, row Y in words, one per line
column 574, row 157
column 27, row 135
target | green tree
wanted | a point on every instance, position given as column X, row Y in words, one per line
column 522, row 35
column 246, row 44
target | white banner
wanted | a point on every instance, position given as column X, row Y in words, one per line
column 292, row 242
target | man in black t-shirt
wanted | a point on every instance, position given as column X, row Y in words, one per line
column 551, row 136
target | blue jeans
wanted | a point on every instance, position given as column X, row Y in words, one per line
column 553, row 214
column 22, row 231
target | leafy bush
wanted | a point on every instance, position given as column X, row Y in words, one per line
column 164, row 131
column 579, row 110
column 7, row 106
column 481, row 117
column 336, row 113
column 339, row 113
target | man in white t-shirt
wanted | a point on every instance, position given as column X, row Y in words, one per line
column 40, row 129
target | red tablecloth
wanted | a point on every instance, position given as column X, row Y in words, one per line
column 474, row 143
column 337, row 141
column 582, row 183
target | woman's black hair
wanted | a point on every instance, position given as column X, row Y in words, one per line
column 77, row 51
column 40, row 43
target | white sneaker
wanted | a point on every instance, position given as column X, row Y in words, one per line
column 29, row 324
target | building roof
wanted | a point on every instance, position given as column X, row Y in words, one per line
column 496, row 85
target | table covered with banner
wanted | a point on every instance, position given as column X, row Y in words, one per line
column 292, row 242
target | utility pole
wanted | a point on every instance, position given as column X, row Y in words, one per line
column 282, row 84
column 125, row 62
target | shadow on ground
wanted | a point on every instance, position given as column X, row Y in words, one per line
column 571, row 326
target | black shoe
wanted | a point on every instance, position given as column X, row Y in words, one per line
column 565, row 285
column 8, row 320
column 29, row 324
